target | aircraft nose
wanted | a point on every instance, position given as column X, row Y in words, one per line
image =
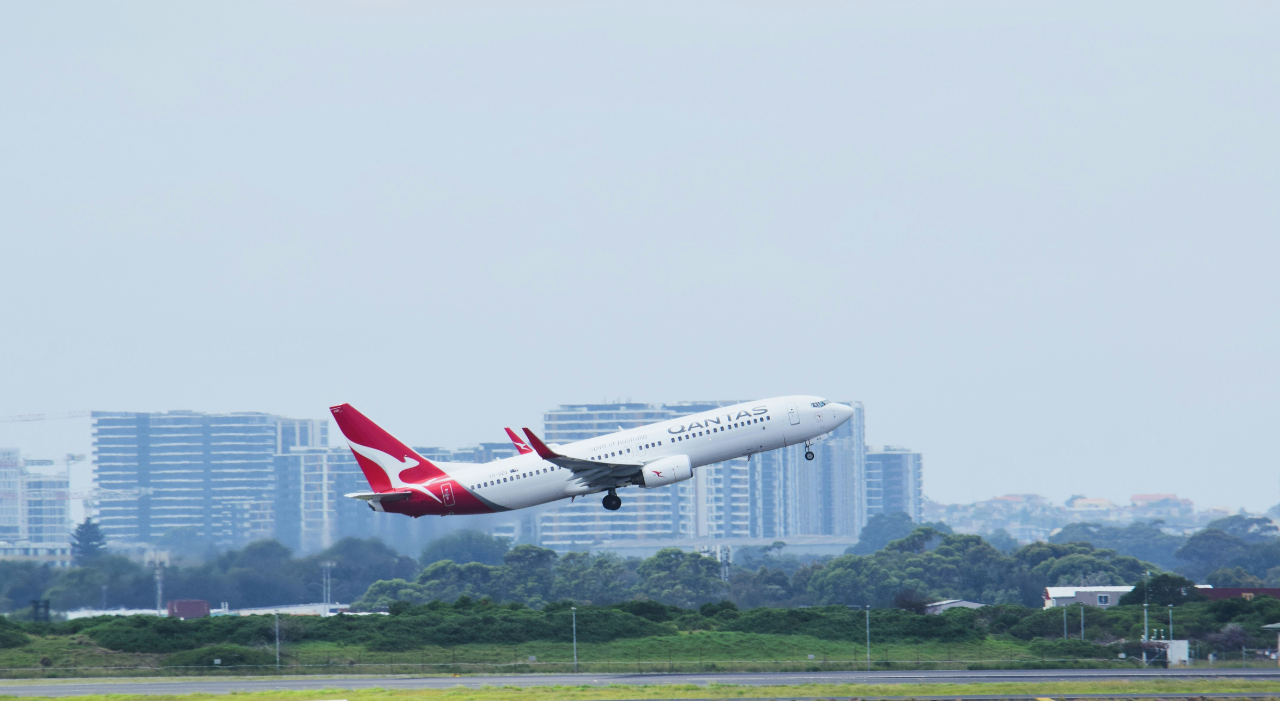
column 843, row 412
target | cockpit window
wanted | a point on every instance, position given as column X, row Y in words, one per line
column 820, row 404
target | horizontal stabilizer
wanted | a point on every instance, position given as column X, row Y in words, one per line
column 379, row 496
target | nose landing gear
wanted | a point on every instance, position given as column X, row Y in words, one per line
column 808, row 450
column 612, row 501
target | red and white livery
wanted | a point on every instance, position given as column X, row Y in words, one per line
column 656, row 455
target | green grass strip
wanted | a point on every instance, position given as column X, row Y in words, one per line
column 620, row 692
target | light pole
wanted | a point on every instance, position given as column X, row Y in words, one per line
column 573, row 610
column 277, row 642
column 1064, row 622
column 327, row 568
column 1171, row 621
column 1146, row 635
column 1082, row 621
column 868, row 637
column 159, row 588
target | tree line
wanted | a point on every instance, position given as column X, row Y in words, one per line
column 1224, row 625
column 926, row 565
column 897, row 564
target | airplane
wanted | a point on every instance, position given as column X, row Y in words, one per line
column 655, row 455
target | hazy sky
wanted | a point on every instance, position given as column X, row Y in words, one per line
column 1039, row 240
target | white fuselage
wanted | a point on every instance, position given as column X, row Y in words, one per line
column 708, row 437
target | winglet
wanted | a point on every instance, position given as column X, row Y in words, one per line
column 541, row 448
column 521, row 447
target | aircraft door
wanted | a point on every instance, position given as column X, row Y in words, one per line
column 446, row 494
column 792, row 414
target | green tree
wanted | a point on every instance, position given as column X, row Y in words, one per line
column 683, row 579
column 1250, row 529
column 357, row 563
column 465, row 546
column 1209, row 550
column 1002, row 541
column 446, row 580
column 527, row 574
column 591, row 579
column 880, row 530
column 87, row 543
column 1233, row 577
column 764, row 587
column 1164, row 589
column 127, row 583
column 20, row 582
column 1144, row 541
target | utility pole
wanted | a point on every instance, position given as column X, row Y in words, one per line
column 1064, row 622
column 1082, row 621
column 1146, row 594
column 1171, row 621
column 277, row 642
column 868, row 637
column 573, row 610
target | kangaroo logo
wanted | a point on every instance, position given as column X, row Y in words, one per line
column 384, row 460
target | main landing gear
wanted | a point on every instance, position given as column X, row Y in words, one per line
column 808, row 450
column 612, row 501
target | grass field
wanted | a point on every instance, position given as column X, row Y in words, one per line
column 705, row 651
column 1055, row 690
column 78, row 656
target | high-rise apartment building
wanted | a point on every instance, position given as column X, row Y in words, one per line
column 895, row 482
column 34, row 510
column 46, row 507
column 215, row 473
column 10, row 495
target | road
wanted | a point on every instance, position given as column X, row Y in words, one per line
column 191, row 685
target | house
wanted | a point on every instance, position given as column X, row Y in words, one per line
column 1090, row 596
column 940, row 606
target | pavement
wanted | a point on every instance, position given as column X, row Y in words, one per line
column 225, row 685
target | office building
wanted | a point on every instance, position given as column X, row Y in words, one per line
column 894, row 482
column 214, row 473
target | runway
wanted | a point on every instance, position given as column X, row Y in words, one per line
column 193, row 685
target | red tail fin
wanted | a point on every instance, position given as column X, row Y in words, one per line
column 521, row 447
column 383, row 459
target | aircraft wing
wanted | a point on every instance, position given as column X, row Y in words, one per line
column 595, row 473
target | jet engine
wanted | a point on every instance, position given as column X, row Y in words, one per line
column 670, row 470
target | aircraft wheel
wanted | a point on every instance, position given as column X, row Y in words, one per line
column 613, row 502
column 808, row 455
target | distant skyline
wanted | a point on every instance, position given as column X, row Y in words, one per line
column 1037, row 241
